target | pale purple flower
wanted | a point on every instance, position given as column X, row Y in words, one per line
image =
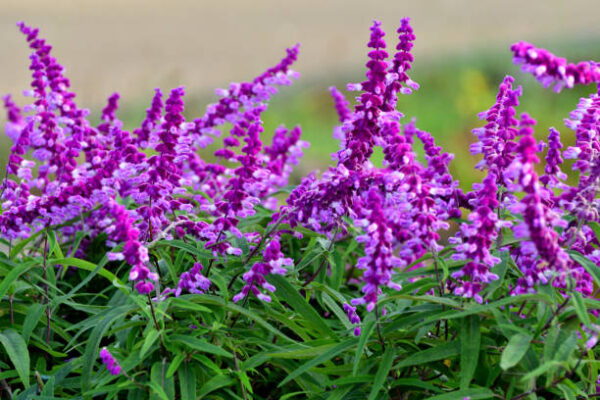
column 193, row 281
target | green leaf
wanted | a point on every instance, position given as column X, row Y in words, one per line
column 302, row 352
column 92, row 347
column 414, row 382
column 16, row 348
column 217, row 301
column 382, row 372
column 175, row 364
column 580, row 309
column 187, row 381
column 200, row 345
column 470, row 342
column 149, row 340
column 567, row 392
column 289, row 294
column 34, row 313
column 86, row 265
column 326, row 356
column 158, row 376
column 339, row 313
column 215, row 383
column 179, row 244
column 157, row 391
column 178, row 302
column 426, row 298
column 499, row 270
column 12, row 276
column 589, row 266
column 472, row 394
column 595, row 227
column 516, row 348
column 542, row 369
column 60, row 299
column 16, row 249
column 440, row 352
column 566, row 348
column 362, row 341
column 53, row 245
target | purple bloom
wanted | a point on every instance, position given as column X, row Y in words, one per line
column 342, row 106
column 152, row 120
column 542, row 258
column 554, row 160
column 134, row 253
column 111, row 364
column 402, row 62
column 353, row 317
column 193, row 281
column 379, row 260
column 363, row 127
column 552, row 70
column 273, row 263
column 496, row 138
column 475, row 240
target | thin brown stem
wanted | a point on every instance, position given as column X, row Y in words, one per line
column 136, row 383
column 567, row 375
column 318, row 271
column 243, row 305
column 560, row 307
column 157, row 327
column 210, row 263
column 237, row 368
column 5, row 388
column 379, row 328
column 255, row 250
column 10, row 305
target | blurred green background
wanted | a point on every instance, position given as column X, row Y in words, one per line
column 462, row 54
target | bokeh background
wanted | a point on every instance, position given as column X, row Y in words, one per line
column 462, row 54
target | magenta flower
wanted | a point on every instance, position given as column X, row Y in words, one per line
column 552, row 70
column 193, row 281
column 496, row 138
column 111, row 364
column 273, row 263
column 379, row 260
column 475, row 240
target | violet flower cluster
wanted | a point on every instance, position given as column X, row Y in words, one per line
column 552, row 70
column 109, row 361
column 142, row 186
column 168, row 192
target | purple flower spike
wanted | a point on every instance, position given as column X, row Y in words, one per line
column 152, row 120
column 134, row 253
column 379, row 260
column 193, row 281
column 353, row 317
column 549, row 69
column 342, row 106
column 111, row 364
column 554, row 160
column 496, row 138
column 273, row 263
column 402, row 62
column 475, row 240
column 363, row 129
column 541, row 259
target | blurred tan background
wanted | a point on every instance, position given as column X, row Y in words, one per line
column 134, row 46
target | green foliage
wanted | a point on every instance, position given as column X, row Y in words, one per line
column 301, row 345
